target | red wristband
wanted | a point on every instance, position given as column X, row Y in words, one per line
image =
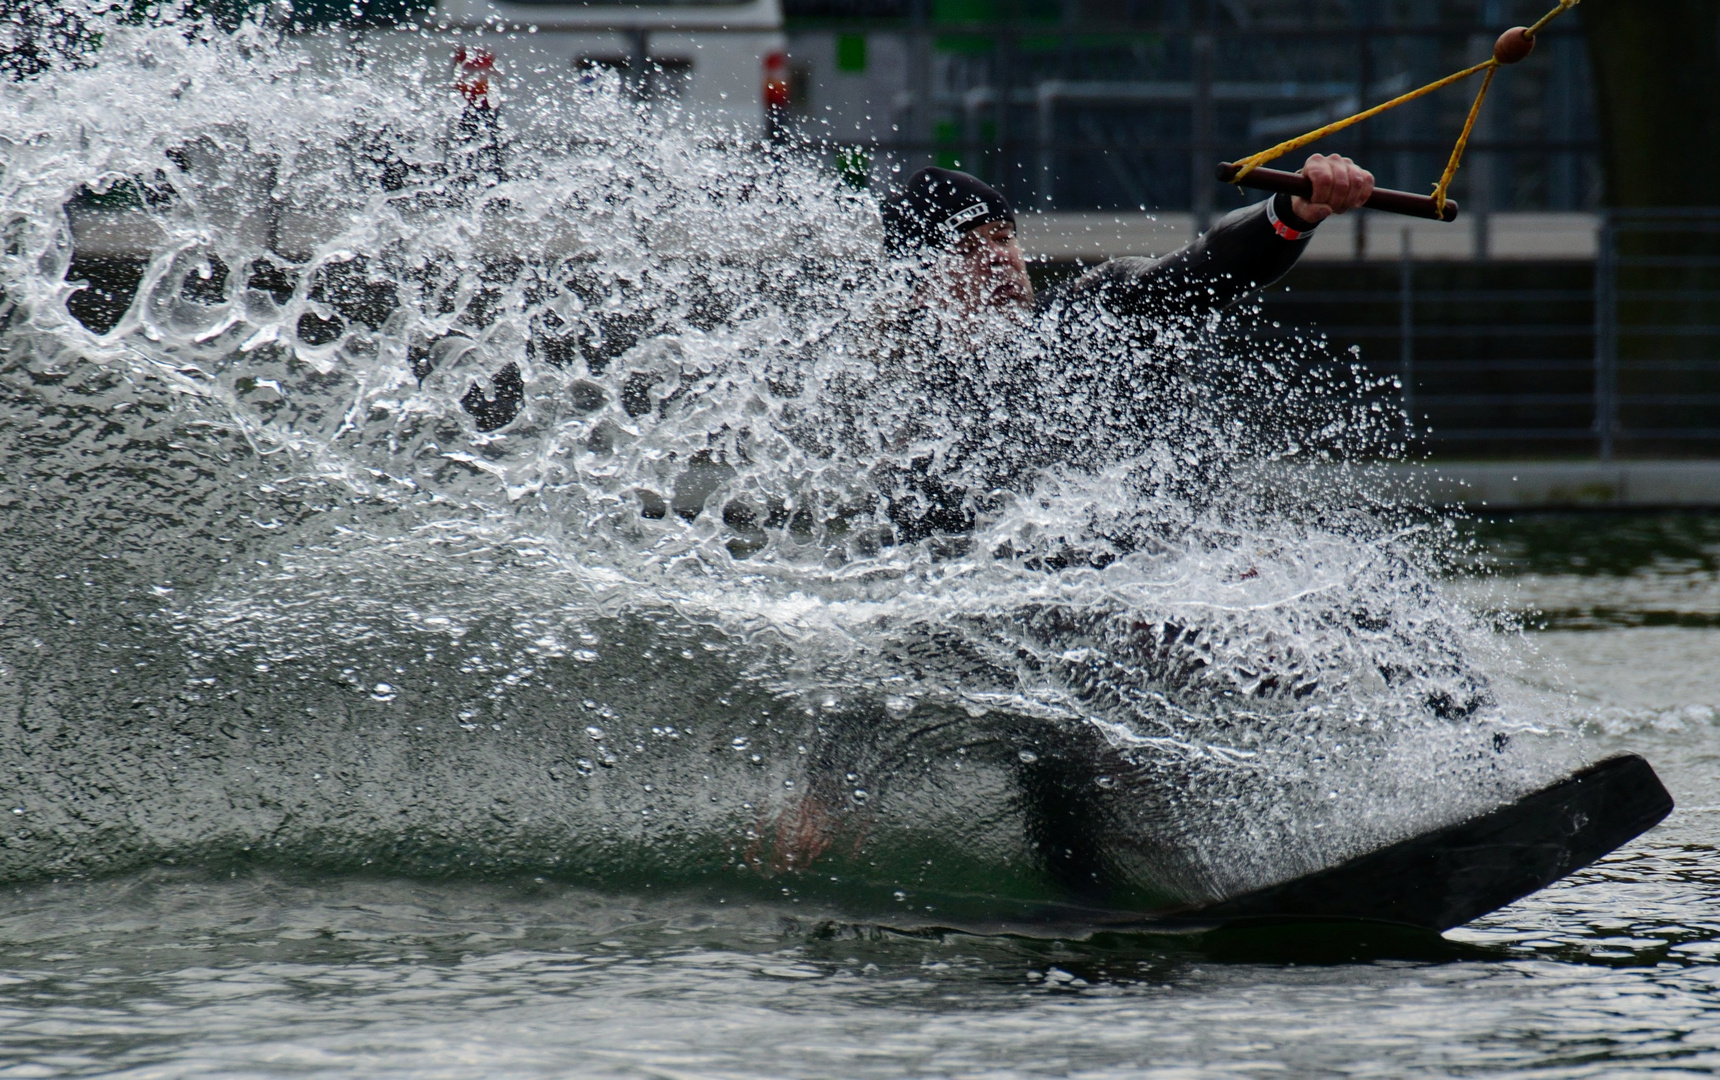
column 1278, row 225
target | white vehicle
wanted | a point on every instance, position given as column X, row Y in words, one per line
column 723, row 60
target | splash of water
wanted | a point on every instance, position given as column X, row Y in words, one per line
column 590, row 496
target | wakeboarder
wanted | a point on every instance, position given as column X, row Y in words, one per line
column 1000, row 381
column 970, row 230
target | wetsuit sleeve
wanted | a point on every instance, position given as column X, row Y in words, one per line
column 1244, row 252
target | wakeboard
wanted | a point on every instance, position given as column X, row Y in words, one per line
column 1453, row 875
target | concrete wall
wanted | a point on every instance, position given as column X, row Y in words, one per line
column 1547, row 485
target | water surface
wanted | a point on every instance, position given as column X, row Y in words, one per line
column 178, row 971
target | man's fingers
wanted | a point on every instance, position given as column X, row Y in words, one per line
column 1336, row 184
column 1319, row 174
column 1365, row 186
column 1341, row 181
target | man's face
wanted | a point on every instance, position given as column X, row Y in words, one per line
column 988, row 271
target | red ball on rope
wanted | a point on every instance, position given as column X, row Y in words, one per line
column 1513, row 45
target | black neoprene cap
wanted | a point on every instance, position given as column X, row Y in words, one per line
column 938, row 205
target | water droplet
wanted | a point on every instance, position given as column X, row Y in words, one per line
column 594, row 731
column 1027, row 757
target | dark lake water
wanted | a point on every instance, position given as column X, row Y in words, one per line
column 183, row 971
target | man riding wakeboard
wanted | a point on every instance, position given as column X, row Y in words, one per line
column 999, row 382
column 971, row 225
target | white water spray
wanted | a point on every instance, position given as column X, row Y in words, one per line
column 450, row 495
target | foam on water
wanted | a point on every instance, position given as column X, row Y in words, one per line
column 461, row 496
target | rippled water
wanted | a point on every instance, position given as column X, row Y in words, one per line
column 1616, row 971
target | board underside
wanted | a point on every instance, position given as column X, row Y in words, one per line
column 1450, row 876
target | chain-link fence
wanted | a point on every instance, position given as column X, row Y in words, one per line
column 1618, row 356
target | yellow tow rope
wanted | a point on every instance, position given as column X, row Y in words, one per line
column 1511, row 47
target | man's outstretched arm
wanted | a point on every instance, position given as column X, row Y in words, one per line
column 1247, row 250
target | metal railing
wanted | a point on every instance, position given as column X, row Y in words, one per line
column 1619, row 356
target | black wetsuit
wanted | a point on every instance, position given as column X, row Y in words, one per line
column 1098, row 376
column 1242, row 253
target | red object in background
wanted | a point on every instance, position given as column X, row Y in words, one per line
column 473, row 67
column 775, row 82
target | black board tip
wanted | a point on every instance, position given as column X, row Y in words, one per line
column 1420, row 887
column 1450, row 876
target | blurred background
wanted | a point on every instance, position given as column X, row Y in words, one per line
column 1571, row 317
